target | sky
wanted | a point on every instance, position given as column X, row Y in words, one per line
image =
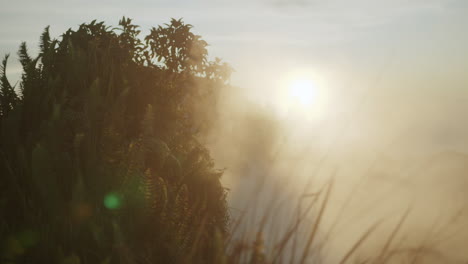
column 273, row 36
column 391, row 76
column 363, row 46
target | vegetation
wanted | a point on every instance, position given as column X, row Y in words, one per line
column 101, row 160
column 99, row 156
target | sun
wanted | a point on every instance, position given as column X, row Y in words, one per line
column 301, row 95
column 302, row 91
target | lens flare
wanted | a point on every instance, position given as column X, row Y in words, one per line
column 112, row 201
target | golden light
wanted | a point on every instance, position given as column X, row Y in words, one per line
column 301, row 95
column 302, row 91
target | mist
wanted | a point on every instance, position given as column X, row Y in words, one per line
column 383, row 130
column 393, row 142
column 383, row 162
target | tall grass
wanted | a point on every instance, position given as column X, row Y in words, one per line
column 271, row 241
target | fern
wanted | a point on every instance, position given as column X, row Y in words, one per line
column 96, row 121
column 45, row 41
column 8, row 97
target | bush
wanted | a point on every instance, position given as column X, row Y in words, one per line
column 100, row 159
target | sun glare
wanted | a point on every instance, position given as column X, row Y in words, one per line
column 302, row 91
column 301, row 94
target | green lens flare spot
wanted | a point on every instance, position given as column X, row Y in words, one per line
column 28, row 238
column 112, row 201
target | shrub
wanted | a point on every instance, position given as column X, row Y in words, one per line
column 100, row 158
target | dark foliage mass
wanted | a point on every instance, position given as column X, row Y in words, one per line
column 100, row 158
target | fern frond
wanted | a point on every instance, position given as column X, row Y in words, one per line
column 8, row 96
column 45, row 40
column 24, row 57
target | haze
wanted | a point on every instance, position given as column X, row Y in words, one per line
column 386, row 113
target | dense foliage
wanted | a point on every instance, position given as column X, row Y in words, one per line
column 100, row 158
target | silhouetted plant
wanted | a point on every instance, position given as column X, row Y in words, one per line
column 100, row 160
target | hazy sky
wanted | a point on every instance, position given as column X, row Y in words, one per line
column 404, row 62
column 395, row 76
